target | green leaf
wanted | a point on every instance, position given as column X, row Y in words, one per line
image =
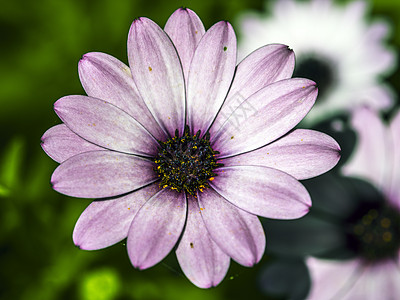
column 10, row 166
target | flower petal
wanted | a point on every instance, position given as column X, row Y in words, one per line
column 106, row 222
column 264, row 66
column 156, row 228
column 266, row 116
column 238, row 233
column 370, row 160
column 202, row 261
column 60, row 143
column 105, row 125
column 185, row 29
column 99, row 174
column 210, row 75
column 331, row 279
column 105, row 77
column 302, row 154
column 158, row 74
column 394, row 193
column 378, row 281
column 262, row 191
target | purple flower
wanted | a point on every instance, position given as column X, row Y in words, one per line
column 375, row 234
column 185, row 145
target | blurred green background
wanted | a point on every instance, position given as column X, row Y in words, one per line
column 41, row 44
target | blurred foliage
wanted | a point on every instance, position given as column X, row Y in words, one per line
column 41, row 43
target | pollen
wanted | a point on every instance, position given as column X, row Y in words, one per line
column 385, row 223
column 387, row 236
column 150, row 69
column 186, row 163
column 377, row 233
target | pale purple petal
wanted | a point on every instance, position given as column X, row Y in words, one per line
column 158, row 74
column 156, row 228
column 100, row 174
column 105, row 77
column 378, row 281
column 266, row 116
column 104, row 124
column 394, row 192
column 185, row 29
column 238, row 233
column 301, row 153
column 202, row 261
column 262, row 191
column 332, row 279
column 371, row 158
column 60, row 143
column 264, row 66
column 377, row 32
column 106, row 222
column 210, row 75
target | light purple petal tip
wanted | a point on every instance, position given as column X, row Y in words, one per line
column 238, row 233
column 263, row 191
column 156, row 228
column 104, row 124
column 60, row 143
column 202, row 261
column 100, row 174
column 264, row 66
column 265, row 116
column 185, row 29
column 106, row 222
column 210, row 75
column 302, row 154
column 105, row 77
column 158, row 74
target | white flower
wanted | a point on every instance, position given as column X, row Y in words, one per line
column 347, row 55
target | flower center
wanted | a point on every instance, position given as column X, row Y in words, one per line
column 186, row 163
column 376, row 234
column 318, row 69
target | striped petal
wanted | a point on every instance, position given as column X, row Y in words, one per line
column 105, row 125
column 158, row 74
column 156, row 228
column 264, row 66
column 105, row 77
column 262, row 191
column 100, row 174
column 60, row 143
column 185, row 29
column 106, row 222
column 210, row 75
column 238, row 233
column 202, row 261
column 302, row 154
column 266, row 116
